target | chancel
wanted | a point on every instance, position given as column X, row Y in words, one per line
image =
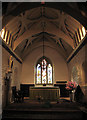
column 43, row 48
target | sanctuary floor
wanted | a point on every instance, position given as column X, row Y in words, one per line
column 35, row 104
column 35, row 110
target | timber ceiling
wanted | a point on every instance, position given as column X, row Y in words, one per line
column 31, row 26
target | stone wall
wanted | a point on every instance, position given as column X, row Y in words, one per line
column 85, row 69
column 0, row 82
column 14, row 77
column 78, row 69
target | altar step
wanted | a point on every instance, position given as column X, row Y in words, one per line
column 45, row 114
column 34, row 110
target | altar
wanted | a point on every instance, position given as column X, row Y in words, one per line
column 45, row 93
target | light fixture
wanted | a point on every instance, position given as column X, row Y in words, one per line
column 43, row 25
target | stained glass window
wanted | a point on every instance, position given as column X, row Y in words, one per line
column 44, row 72
column 38, row 74
column 44, row 79
column 49, row 71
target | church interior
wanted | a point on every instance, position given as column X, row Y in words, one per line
column 43, row 49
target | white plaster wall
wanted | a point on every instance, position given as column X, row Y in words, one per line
column 59, row 65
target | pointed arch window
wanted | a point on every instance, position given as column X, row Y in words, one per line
column 44, row 72
column 49, row 71
column 38, row 74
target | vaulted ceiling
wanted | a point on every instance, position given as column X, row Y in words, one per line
column 33, row 26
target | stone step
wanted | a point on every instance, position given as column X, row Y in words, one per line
column 46, row 114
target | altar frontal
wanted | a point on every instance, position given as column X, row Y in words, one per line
column 44, row 93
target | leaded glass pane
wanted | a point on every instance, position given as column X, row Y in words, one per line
column 49, row 71
column 38, row 74
column 44, row 72
column 44, row 63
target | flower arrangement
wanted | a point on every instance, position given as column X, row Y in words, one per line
column 71, row 85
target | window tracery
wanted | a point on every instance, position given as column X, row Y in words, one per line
column 44, row 72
